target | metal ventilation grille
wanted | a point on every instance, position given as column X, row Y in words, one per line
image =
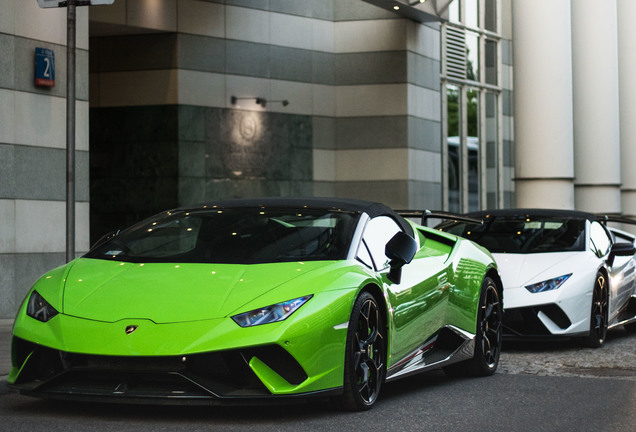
column 456, row 52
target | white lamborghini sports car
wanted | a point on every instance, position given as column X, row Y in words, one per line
column 565, row 273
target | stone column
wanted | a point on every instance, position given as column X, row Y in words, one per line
column 596, row 106
column 543, row 103
column 627, row 85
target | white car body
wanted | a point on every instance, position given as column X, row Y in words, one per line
column 574, row 296
column 568, row 309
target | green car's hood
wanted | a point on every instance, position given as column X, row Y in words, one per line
column 167, row 293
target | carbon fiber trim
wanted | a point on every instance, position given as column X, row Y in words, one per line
column 450, row 345
column 217, row 375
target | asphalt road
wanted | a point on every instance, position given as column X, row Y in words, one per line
column 544, row 387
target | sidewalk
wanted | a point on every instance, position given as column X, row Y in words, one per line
column 5, row 353
column 5, row 347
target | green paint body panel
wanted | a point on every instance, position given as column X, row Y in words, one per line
column 184, row 309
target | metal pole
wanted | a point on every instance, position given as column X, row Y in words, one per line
column 70, row 129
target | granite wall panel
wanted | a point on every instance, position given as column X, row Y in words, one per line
column 146, row 164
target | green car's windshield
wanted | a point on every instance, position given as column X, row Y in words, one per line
column 233, row 236
column 523, row 234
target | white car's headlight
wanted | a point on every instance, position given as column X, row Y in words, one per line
column 39, row 308
column 270, row 314
column 548, row 285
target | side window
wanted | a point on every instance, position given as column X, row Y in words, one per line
column 377, row 234
column 363, row 256
column 600, row 242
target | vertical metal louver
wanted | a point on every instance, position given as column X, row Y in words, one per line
column 456, row 52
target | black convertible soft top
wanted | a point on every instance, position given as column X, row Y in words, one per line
column 373, row 209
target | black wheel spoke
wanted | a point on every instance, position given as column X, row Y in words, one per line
column 363, row 375
column 357, row 356
column 488, row 311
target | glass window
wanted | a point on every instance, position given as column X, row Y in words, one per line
column 492, row 165
column 521, row 235
column 453, row 119
column 377, row 234
column 491, row 62
column 472, row 144
column 453, row 12
column 363, row 255
column 471, row 74
column 472, row 56
column 600, row 242
column 234, row 236
column 490, row 15
column 472, row 13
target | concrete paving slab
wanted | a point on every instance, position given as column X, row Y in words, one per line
column 5, row 348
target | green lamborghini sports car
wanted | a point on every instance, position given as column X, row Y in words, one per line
column 259, row 300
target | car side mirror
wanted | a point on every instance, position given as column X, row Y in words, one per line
column 620, row 249
column 400, row 250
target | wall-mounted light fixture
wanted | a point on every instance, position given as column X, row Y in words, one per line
column 258, row 100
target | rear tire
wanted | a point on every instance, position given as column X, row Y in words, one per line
column 487, row 336
column 598, row 314
column 365, row 355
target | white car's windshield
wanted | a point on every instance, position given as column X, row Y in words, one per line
column 523, row 234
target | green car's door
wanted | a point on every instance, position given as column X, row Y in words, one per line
column 418, row 303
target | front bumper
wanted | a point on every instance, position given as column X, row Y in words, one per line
column 224, row 377
column 207, row 362
column 540, row 321
column 565, row 311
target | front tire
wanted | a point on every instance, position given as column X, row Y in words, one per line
column 487, row 337
column 599, row 313
column 365, row 355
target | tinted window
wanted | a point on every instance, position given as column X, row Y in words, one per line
column 600, row 242
column 363, row 255
column 234, row 236
column 377, row 234
column 524, row 234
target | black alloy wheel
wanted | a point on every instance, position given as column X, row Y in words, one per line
column 365, row 356
column 488, row 335
column 491, row 327
column 599, row 313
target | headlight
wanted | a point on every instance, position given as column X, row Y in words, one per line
column 39, row 308
column 270, row 314
column 548, row 285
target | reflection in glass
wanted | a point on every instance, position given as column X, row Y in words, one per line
column 472, row 13
column 472, row 56
column 491, row 62
column 477, row 156
column 453, row 12
column 472, row 142
column 454, row 153
column 491, row 151
column 490, row 15
column 241, row 235
column 523, row 234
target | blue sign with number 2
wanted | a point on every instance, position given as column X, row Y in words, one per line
column 44, row 67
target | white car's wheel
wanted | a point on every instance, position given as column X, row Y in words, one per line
column 599, row 313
